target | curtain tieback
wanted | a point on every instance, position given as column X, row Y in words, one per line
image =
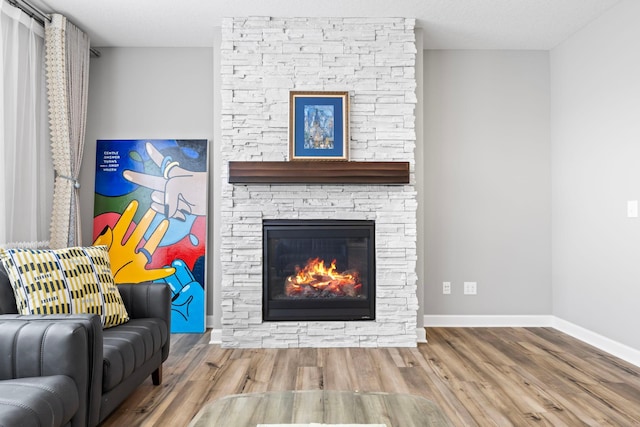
column 76, row 183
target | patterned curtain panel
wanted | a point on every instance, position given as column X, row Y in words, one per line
column 67, row 64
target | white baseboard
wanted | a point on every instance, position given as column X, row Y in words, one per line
column 603, row 343
column 421, row 335
column 462, row 321
column 216, row 336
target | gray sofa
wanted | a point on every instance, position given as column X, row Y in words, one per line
column 68, row 365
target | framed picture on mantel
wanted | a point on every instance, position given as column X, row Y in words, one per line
column 318, row 125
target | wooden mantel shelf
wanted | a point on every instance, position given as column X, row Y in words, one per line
column 318, row 172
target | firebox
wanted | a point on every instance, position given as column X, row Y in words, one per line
column 318, row 270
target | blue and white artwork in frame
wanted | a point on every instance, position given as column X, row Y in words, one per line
column 318, row 125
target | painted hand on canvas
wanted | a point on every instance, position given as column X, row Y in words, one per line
column 178, row 192
column 128, row 262
column 187, row 297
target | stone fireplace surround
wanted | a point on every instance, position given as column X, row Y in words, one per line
column 263, row 58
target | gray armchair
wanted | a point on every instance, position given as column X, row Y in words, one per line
column 44, row 374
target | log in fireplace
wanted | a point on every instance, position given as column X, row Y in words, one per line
column 318, row 270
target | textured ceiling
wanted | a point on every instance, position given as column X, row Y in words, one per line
column 447, row 24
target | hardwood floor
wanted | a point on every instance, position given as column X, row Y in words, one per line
column 478, row 377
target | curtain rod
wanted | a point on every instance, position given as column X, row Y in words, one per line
column 41, row 17
column 30, row 10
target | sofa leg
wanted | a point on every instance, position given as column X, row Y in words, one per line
column 156, row 376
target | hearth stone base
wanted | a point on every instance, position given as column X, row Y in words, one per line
column 215, row 336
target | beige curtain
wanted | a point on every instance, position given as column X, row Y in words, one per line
column 67, row 64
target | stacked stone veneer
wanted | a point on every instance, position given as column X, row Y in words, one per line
column 262, row 60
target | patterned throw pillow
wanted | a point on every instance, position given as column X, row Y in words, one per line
column 72, row 280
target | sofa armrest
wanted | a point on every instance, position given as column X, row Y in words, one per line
column 7, row 299
column 147, row 299
column 70, row 345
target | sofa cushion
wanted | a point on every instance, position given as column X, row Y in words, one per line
column 72, row 280
column 128, row 346
column 38, row 401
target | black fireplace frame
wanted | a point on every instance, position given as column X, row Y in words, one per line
column 319, row 309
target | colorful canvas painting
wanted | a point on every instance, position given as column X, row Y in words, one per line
column 150, row 210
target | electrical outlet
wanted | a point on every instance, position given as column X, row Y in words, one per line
column 470, row 288
column 446, row 288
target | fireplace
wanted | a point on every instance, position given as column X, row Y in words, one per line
column 318, row 270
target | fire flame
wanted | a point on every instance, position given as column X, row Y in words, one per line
column 316, row 280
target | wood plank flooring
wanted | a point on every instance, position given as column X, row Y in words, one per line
column 478, row 377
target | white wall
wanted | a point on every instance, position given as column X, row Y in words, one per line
column 487, row 182
column 147, row 93
column 595, row 112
